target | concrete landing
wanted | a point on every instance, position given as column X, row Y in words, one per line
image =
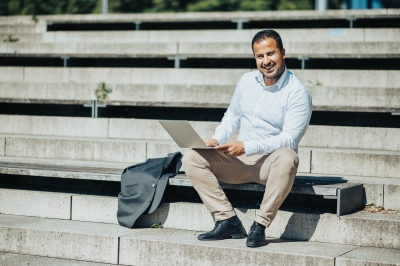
column 73, row 243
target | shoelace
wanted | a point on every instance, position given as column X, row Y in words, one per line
column 255, row 228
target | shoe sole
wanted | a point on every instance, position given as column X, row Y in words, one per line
column 256, row 245
column 233, row 236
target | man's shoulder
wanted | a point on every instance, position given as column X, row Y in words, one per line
column 295, row 83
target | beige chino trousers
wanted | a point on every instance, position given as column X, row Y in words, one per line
column 276, row 170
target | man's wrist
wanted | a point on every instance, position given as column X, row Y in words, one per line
column 250, row 147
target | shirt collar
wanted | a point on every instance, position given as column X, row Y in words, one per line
column 280, row 81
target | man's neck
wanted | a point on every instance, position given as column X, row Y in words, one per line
column 270, row 82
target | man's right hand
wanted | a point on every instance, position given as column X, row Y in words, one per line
column 211, row 142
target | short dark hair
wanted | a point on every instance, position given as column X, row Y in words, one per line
column 264, row 34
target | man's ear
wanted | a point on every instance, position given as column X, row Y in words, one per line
column 283, row 53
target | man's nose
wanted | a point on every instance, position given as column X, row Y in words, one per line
column 266, row 60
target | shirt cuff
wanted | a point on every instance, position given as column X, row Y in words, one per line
column 219, row 138
column 250, row 147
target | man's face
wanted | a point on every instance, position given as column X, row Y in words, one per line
column 270, row 60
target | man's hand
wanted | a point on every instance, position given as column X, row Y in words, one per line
column 233, row 148
column 211, row 142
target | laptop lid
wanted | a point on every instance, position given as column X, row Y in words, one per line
column 183, row 134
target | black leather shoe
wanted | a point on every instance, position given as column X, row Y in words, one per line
column 256, row 236
column 229, row 228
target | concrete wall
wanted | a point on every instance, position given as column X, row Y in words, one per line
column 215, row 36
column 361, row 138
column 190, row 77
column 203, row 50
column 192, row 95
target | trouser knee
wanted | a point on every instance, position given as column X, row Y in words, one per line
column 190, row 161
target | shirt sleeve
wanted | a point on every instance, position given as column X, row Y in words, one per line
column 231, row 120
column 297, row 118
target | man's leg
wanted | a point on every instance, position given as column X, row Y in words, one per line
column 204, row 168
column 277, row 173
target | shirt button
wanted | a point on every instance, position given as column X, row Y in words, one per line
column 149, row 200
column 154, row 185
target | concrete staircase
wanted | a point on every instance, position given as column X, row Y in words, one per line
column 41, row 224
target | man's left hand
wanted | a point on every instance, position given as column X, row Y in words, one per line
column 233, row 148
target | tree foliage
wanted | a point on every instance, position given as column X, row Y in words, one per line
column 38, row 7
column 42, row 7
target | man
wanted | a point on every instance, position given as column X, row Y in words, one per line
column 272, row 108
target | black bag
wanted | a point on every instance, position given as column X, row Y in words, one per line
column 143, row 185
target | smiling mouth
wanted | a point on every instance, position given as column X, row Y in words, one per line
column 269, row 67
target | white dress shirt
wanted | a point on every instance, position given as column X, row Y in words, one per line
column 269, row 117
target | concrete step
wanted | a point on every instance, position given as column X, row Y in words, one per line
column 381, row 191
column 212, row 36
column 22, row 37
column 143, row 129
column 191, row 77
column 117, row 245
column 16, row 20
column 19, row 29
column 12, row 259
column 225, row 16
column 102, row 150
column 365, row 99
column 290, row 223
column 201, row 50
column 353, row 162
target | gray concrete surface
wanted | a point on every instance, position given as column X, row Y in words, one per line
column 61, row 239
column 99, row 242
column 391, row 199
column 61, row 168
column 24, row 90
column 10, row 74
column 324, row 161
column 24, row 37
column 35, row 203
column 2, row 146
column 296, row 224
column 54, row 126
column 354, row 96
column 11, row 259
column 17, row 29
column 215, row 36
column 182, row 247
column 92, row 170
column 98, row 209
column 370, row 256
column 203, row 50
column 132, row 75
column 355, row 162
column 367, row 99
column 76, row 149
column 152, row 129
column 366, row 138
column 225, row 16
column 16, row 20
column 79, row 49
column 293, row 50
column 333, row 49
column 386, row 235
column 348, row 78
column 191, row 77
column 212, row 36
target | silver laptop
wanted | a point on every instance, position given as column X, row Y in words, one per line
column 184, row 134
